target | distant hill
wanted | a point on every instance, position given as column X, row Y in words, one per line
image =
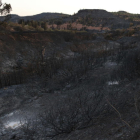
column 127, row 16
column 95, row 13
column 98, row 17
column 42, row 16
column 88, row 17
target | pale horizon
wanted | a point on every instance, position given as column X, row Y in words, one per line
column 32, row 7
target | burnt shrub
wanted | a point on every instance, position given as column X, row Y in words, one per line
column 129, row 64
column 12, row 78
column 74, row 112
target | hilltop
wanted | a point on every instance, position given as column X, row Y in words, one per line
column 98, row 17
column 38, row 17
column 94, row 13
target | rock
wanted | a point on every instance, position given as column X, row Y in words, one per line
column 30, row 100
column 35, row 98
column 47, row 90
column 68, row 86
column 64, row 89
column 57, row 92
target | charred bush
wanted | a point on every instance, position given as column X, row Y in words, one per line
column 12, row 78
column 76, row 111
column 30, row 129
column 77, row 66
column 130, row 65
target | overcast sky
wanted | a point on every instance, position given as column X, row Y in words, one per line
column 32, row 7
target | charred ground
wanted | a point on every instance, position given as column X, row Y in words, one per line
column 70, row 85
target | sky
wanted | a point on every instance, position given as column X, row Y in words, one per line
column 32, row 7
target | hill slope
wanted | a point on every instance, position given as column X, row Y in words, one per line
column 38, row 17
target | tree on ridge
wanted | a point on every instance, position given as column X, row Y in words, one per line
column 5, row 10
